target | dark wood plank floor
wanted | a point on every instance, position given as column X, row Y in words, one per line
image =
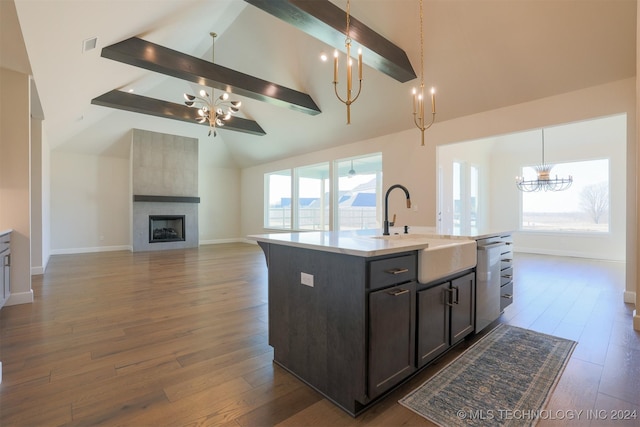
column 179, row 338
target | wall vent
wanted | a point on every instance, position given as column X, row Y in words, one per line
column 89, row 44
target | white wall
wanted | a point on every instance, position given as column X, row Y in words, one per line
column 89, row 203
column 219, row 205
column 89, row 200
column 15, row 211
column 46, row 202
column 37, row 264
column 406, row 162
column 595, row 139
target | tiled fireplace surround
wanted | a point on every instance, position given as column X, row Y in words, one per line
column 164, row 181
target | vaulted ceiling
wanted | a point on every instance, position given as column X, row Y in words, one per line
column 479, row 54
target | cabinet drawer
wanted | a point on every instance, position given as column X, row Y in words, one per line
column 389, row 271
column 506, row 276
column 506, row 295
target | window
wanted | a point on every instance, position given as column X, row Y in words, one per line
column 278, row 200
column 584, row 207
column 465, row 196
column 359, row 193
column 313, row 195
column 307, row 198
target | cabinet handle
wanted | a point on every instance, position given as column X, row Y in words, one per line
column 457, row 290
column 7, row 260
column 507, row 276
column 507, row 296
column 397, row 292
column 508, row 243
column 507, row 260
column 397, row 270
column 449, row 302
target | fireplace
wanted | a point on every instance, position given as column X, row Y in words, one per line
column 166, row 228
column 164, row 191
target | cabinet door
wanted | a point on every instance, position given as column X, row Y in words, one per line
column 433, row 323
column 462, row 307
column 391, row 336
column 2, row 280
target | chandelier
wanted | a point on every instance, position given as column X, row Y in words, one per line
column 347, row 42
column 544, row 181
column 352, row 171
column 213, row 110
column 418, row 98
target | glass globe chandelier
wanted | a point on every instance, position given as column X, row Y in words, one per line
column 213, row 110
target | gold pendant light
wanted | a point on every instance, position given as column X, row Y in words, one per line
column 418, row 97
column 349, row 100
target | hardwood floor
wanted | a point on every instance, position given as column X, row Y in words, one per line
column 179, row 338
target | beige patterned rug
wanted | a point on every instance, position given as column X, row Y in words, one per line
column 504, row 379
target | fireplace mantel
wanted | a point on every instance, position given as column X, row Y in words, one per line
column 165, row 199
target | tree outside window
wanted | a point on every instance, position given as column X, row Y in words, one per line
column 583, row 208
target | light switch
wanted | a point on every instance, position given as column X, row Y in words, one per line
column 306, row 279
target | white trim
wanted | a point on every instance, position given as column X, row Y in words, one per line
column 37, row 271
column 218, row 241
column 630, row 297
column 20, row 298
column 574, row 254
column 70, row 251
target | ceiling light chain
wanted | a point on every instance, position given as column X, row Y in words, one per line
column 418, row 99
column 544, row 181
column 215, row 111
column 347, row 42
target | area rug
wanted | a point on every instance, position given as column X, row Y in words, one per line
column 504, row 379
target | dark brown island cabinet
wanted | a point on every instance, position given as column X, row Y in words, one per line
column 354, row 327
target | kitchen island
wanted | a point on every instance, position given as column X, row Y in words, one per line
column 348, row 315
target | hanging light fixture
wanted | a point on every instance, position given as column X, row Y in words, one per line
column 544, row 181
column 212, row 110
column 418, row 98
column 347, row 42
column 352, row 171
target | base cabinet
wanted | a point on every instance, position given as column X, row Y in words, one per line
column 445, row 315
column 391, row 336
column 352, row 331
column 5, row 268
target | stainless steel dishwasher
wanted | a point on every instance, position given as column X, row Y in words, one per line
column 488, row 282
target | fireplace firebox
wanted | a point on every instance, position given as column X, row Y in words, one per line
column 166, row 228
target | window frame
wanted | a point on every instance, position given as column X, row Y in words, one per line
column 569, row 232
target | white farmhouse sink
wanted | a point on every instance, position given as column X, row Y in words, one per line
column 444, row 257
column 440, row 257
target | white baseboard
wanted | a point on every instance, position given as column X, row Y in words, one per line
column 629, row 297
column 573, row 254
column 71, row 251
column 20, row 298
column 218, row 241
column 37, row 271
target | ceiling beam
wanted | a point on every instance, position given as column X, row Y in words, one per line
column 150, row 56
column 168, row 110
column 328, row 23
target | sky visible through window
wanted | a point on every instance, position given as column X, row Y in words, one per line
column 566, row 210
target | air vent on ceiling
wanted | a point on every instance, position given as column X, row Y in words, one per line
column 89, row 44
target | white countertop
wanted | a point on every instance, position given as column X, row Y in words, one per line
column 3, row 232
column 365, row 243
